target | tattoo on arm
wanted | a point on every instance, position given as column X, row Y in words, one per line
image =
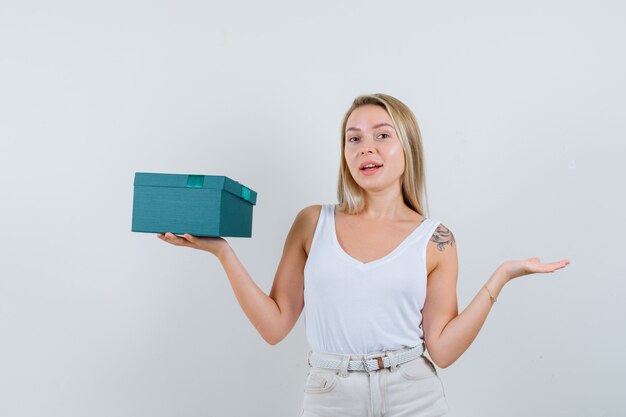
column 442, row 237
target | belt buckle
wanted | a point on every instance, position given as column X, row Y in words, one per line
column 379, row 362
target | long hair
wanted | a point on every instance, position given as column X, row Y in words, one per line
column 350, row 194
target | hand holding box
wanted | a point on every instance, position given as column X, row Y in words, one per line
column 200, row 205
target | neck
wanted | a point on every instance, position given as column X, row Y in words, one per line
column 384, row 205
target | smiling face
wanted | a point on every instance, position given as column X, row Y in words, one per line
column 370, row 137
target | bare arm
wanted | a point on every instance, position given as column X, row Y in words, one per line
column 275, row 315
column 447, row 334
column 272, row 315
column 261, row 310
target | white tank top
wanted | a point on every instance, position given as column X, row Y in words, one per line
column 351, row 307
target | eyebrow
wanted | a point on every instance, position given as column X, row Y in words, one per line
column 374, row 127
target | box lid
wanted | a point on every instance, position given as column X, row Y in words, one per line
column 151, row 179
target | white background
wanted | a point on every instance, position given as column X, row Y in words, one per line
column 521, row 106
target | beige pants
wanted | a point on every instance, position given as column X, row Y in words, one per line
column 411, row 389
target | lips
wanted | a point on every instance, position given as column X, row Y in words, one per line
column 369, row 164
column 370, row 168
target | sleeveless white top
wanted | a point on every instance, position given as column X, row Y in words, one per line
column 351, row 307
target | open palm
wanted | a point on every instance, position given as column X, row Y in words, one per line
column 209, row 244
column 517, row 268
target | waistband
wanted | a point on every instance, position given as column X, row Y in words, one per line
column 364, row 362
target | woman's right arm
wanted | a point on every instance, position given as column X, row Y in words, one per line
column 275, row 315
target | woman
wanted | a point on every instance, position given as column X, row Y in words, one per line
column 380, row 278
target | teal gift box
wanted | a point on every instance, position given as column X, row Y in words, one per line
column 201, row 205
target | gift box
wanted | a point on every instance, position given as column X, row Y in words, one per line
column 201, row 205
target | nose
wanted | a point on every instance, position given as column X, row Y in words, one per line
column 367, row 144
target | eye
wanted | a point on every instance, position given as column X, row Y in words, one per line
column 385, row 134
column 350, row 139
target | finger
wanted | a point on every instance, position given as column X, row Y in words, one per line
column 175, row 240
column 163, row 237
column 190, row 238
column 559, row 264
column 194, row 242
column 550, row 267
column 538, row 268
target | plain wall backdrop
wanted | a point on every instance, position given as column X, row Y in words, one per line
column 521, row 107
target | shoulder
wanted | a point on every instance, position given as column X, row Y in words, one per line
column 442, row 237
column 442, row 245
column 305, row 224
column 309, row 214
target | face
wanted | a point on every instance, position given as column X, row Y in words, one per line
column 371, row 137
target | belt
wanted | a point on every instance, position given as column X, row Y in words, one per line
column 371, row 364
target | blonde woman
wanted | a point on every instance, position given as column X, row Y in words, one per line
column 375, row 277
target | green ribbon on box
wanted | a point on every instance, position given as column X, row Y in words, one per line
column 245, row 193
column 195, row 181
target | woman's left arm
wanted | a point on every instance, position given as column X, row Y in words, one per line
column 447, row 334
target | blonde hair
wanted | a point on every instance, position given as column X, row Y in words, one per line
column 350, row 194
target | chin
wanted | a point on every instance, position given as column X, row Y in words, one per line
column 374, row 187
